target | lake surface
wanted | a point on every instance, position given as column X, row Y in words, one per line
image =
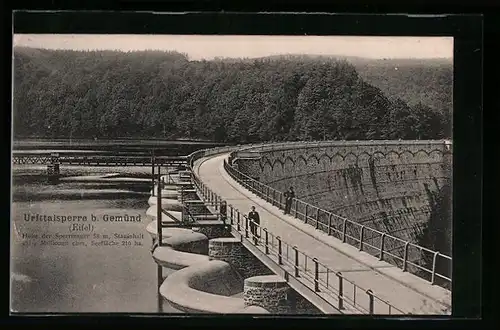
column 49, row 276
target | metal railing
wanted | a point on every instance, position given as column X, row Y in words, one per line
column 188, row 218
column 319, row 277
column 97, row 159
column 377, row 243
column 330, row 284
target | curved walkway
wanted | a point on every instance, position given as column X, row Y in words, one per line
column 403, row 290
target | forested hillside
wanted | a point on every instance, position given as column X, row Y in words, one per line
column 108, row 94
column 426, row 81
column 414, row 81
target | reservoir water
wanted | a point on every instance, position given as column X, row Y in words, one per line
column 54, row 273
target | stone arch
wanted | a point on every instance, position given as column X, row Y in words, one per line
column 350, row 158
column 267, row 168
column 324, row 161
column 406, row 156
column 392, row 156
column 421, row 151
column 278, row 168
column 325, row 155
column 378, row 154
column 301, row 162
column 363, row 158
column 313, row 156
column 288, row 164
column 393, row 152
column 436, row 154
column 265, row 161
column 338, row 155
column 407, row 151
column 337, row 161
column 277, row 161
column 434, row 159
column 378, row 157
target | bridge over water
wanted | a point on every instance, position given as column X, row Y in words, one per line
column 92, row 159
column 103, row 153
column 108, row 153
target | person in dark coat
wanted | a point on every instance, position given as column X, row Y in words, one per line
column 223, row 211
column 289, row 196
column 254, row 222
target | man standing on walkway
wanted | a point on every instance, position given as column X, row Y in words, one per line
column 223, row 211
column 254, row 219
column 289, row 196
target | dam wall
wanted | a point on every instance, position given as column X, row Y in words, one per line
column 391, row 186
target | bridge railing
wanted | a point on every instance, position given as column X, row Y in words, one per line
column 95, row 159
column 382, row 245
column 330, row 284
column 386, row 247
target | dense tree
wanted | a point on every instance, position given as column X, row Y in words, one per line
column 109, row 94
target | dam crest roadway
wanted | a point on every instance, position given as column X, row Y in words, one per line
column 404, row 291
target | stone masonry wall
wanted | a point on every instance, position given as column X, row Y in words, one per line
column 386, row 186
column 274, row 294
column 232, row 251
column 269, row 292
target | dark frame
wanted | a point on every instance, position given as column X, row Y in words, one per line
column 467, row 115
